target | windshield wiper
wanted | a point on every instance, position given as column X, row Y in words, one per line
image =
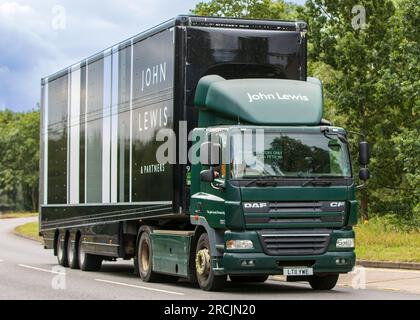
column 266, row 181
column 327, row 133
column 320, row 181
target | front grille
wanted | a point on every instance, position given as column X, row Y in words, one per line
column 297, row 243
column 307, row 214
column 280, row 207
column 288, row 220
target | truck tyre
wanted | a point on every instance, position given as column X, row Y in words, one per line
column 88, row 262
column 323, row 282
column 206, row 278
column 144, row 260
column 248, row 279
column 72, row 253
column 61, row 246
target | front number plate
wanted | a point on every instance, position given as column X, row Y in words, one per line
column 298, row 272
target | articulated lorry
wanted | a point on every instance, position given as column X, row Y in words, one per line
column 199, row 150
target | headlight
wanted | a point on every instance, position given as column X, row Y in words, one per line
column 345, row 243
column 239, row 244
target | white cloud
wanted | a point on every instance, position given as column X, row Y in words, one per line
column 13, row 10
column 31, row 48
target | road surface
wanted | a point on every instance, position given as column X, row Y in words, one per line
column 27, row 271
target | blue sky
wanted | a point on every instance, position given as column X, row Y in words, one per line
column 38, row 38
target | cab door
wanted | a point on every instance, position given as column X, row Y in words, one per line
column 209, row 199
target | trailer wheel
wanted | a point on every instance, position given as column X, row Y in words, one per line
column 88, row 262
column 323, row 282
column 61, row 246
column 206, row 278
column 72, row 253
column 248, row 279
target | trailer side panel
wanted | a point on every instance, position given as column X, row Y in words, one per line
column 100, row 121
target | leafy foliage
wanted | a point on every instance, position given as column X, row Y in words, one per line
column 258, row 9
column 19, row 159
column 372, row 85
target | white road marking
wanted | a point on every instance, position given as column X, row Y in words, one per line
column 391, row 280
column 392, row 270
column 390, row 289
column 139, row 287
column 40, row 269
column 1, row 260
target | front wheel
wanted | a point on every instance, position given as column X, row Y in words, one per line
column 323, row 282
column 206, row 278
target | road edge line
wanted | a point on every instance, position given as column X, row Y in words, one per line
column 139, row 287
column 41, row 269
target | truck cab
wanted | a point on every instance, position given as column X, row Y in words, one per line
column 273, row 183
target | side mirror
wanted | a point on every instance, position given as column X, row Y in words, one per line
column 364, row 174
column 364, row 151
column 210, row 154
column 207, row 175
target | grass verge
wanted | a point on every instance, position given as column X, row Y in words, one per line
column 14, row 215
column 377, row 241
column 29, row 230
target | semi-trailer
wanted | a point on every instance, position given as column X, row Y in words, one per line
column 198, row 149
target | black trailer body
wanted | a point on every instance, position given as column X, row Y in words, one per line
column 100, row 118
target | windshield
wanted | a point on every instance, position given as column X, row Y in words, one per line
column 259, row 154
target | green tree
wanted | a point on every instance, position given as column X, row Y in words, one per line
column 8, row 183
column 372, row 82
column 19, row 157
column 397, row 147
column 408, row 147
column 258, row 9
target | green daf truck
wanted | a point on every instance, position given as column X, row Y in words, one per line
column 199, row 150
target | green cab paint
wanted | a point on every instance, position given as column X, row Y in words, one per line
column 263, row 101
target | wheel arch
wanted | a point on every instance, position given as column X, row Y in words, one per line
column 216, row 237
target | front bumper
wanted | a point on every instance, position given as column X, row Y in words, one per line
column 333, row 260
column 264, row 264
